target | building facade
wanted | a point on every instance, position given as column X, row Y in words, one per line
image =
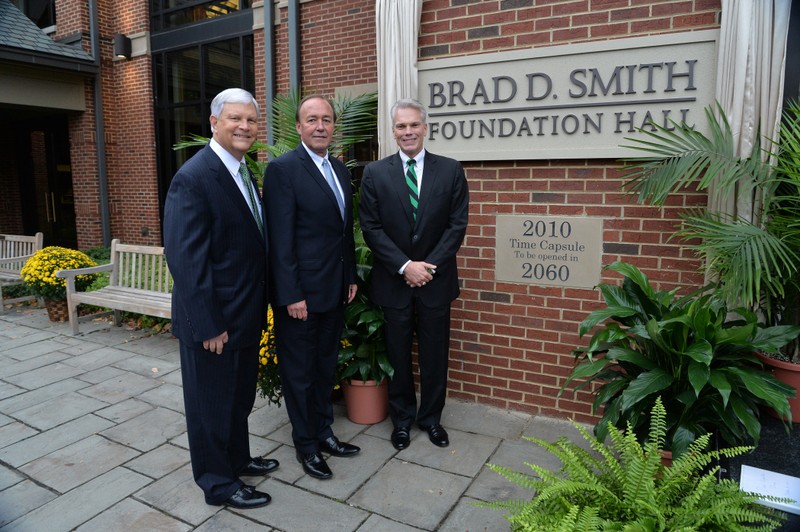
column 89, row 157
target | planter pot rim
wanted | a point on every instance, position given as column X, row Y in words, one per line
column 359, row 382
column 789, row 366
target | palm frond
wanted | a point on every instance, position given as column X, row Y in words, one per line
column 680, row 156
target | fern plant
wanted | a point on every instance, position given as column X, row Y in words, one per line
column 623, row 485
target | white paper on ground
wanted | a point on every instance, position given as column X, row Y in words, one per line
column 762, row 481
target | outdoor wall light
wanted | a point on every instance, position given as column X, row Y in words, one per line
column 122, row 46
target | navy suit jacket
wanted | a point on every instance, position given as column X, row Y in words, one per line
column 217, row 256
column 394, row 238
column 312, row 254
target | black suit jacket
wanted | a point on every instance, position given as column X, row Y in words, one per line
column 394, row 238
column 217, row 256
column 313, row 251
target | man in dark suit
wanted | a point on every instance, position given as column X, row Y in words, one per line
column 313, row 275
column 217, row 253
column 414, row 216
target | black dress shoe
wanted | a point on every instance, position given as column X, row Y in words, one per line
column 437, row 434
column 258, row 467
column 401, row 438
column 314, row 464
column 334, row 447
column 248, row 497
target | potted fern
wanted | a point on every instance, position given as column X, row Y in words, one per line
column 693, row 353
column 624, row 486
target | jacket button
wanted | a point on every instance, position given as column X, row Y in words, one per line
column 415, row 237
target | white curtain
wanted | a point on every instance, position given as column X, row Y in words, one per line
column 397, row 29
column 750, row 71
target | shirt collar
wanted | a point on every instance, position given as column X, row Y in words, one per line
column 419, row 158
column 314, row 157
column 225, row 156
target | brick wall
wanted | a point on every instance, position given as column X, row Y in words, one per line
column 511, row 343
column 129, row 131
column 337, row 45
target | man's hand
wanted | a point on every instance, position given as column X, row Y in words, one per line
column 215, row 344
column 418, row 274
column 351, row 292
column 298, row 310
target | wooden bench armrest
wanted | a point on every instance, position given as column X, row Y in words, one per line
column 66, row 274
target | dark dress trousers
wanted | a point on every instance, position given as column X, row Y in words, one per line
column 218, row 259
column 312, row 258
column 395, row 238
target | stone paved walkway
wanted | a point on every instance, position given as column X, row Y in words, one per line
column 92, row 438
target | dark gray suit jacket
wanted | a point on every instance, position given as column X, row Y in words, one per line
column 312, row 249
column 394, row 238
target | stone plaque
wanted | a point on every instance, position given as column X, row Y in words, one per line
column 574, row 101
column 549, row 250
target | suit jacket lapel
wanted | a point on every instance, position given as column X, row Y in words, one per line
column 231, row 190
column 316, row 175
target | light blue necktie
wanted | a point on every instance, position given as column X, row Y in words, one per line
column 326, row 171
column 245, row 176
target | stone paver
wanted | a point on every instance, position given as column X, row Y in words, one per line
column 120, row 388
column 92, row 437
column 149, row 430
column 13, row 367
column 465, row 456
column 160, row 461
column 8, row 477
column 43, row 376
column 132, row 516
column 81, row 504
column 300, row 510
column 58, row 410
column 35, row 397
column 46, row 442
column 20, row 499
column 78, row 463
column 400, row 489
column 176, row 494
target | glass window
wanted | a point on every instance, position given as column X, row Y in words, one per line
column 186, row 81
column 168, row 14
column 42, row 12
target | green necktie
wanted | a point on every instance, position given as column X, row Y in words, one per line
column 244, row 174
column 413, row 188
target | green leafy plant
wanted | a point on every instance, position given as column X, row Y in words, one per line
column 39, row 272
column 756, row 262
column 363, row 353
column 624, row 486
column 691, row 352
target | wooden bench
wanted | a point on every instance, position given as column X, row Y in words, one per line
column 139, row 282
column 14, row 251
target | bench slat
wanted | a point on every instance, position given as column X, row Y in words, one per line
column 14, row 252
column 139, row 282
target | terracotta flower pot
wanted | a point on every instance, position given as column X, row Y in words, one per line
column 367, row 402
column 787, row 373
